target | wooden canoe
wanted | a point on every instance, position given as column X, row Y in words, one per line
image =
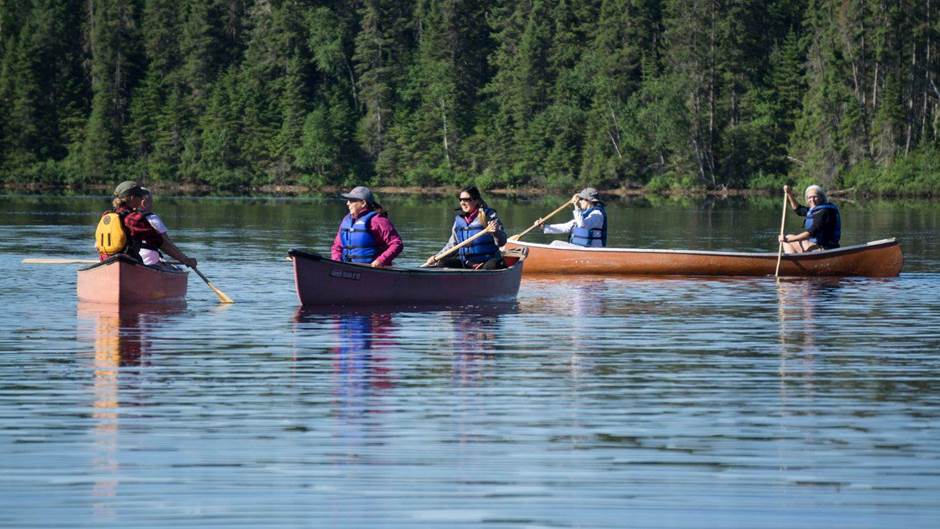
column 123, row 281
column 875, row 259
column 322, row 281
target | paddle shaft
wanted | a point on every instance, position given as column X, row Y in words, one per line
column 36, row 260
column 783, row 219
column 457, row 247
column 546, row 217
column 58, row 261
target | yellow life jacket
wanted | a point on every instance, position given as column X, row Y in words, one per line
column 110, row 237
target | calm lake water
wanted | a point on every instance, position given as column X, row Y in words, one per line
column 588, row 403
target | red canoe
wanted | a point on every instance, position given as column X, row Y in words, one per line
column 875, row 259
column 122, row 281
column 322, row 281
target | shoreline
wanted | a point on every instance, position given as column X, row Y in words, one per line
column 437, row 191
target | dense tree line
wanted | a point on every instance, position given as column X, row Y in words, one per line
column 549, row 93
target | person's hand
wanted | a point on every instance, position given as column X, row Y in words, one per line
column 431, row 261
column 491, row 226
column 574, row 199
column 189, row 261
column 538, row 223
column 782, row 238
column 788, row 190
column 377, row 264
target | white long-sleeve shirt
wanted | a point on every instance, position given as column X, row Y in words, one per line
column 593, row 221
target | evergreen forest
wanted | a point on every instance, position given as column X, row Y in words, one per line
column 550, row 94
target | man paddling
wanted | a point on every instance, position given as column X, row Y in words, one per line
column 822, row 228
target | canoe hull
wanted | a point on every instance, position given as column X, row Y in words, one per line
column 321, row 281
column 124, row 282
column 875, row 259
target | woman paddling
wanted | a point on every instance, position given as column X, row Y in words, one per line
column 472, row 217
column 822, row 228
column 365, row 235
column 153, row 257
column 589, row 225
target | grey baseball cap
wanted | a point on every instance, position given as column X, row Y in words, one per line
column 589, row 193
column 360, row 193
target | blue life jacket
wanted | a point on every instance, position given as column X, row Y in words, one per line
column 359, row 246
column 582, row 236
column 828, row 238
column 482, row 249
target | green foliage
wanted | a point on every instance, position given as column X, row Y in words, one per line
column 554, row 94
column 917, row 173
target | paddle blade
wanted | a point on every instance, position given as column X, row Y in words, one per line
column 223, row 297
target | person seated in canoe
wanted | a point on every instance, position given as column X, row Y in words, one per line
column 154, row 257
column 473, row 217
column 589, row 225
column 125, row 229
column 366, row 235
column 822, row 227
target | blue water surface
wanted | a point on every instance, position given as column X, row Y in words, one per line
column 588, row 403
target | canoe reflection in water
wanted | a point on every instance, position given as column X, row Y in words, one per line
column 475, row 331
column 360, row 349
column 807, row 309
column 121, row 338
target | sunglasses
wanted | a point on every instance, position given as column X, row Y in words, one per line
column 464, row 199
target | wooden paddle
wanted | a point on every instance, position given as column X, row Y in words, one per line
column 546, row 217
column 783, row 219
column 63, row 261
column 35, row 260
column 222, row 296
column 481, row 216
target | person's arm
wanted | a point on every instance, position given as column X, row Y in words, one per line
column 383, row 231
column 802, row 236
column 790, row 198
column 156, row 222
column 173, row 251
column 499, row 232
column 451, row 242
column 336, row 250
column 593, row 221
column 564, row 227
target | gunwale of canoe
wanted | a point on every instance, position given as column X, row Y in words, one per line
column 322, row 281
column 880, row 258
column 120, row 280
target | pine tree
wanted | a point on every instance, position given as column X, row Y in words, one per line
column 383, row 49
column 114, row 51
